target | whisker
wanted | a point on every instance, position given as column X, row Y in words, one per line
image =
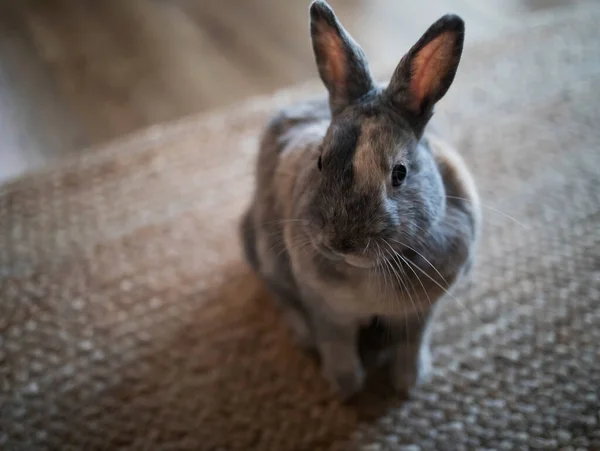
column 399, row 281
column 495, row 210
column 424, row 258
column 364, row 251
column 387, row 333
column 417, row 310
column 405, row 315
column 298, row 246
column 279, row 242
column 306, row 248
column 393, row 277
column 385, row 271
column 445, row 290
column 376, row 269
column 418, row 279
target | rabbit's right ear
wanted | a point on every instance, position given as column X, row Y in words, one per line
column 341, row 62
column 428, row 69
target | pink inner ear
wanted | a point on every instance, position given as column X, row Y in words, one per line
column 335, row 63
column 430, row 66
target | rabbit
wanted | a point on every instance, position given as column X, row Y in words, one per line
column 360, row 211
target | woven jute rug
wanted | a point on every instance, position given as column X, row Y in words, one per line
column 128, row 319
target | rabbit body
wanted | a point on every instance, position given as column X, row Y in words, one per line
column 359, row 211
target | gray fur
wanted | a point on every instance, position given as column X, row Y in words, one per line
column 341, row 245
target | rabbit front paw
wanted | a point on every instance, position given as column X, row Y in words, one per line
column 410, row 368
column 345, row 383
column 345, row 374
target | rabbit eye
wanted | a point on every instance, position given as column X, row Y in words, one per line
column 398, row 175
column 319, row 163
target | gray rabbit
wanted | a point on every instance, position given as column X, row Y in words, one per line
column 359, row 212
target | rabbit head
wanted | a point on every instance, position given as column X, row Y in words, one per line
column 373, row 183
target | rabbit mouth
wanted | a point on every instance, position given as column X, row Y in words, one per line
column 349, row 259
column 353, row 260
column 328, row 253
column 359, row 262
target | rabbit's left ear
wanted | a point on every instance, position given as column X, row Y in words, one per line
column 428, row 69
column 341, row 62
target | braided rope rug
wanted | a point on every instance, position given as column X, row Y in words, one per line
column 128, row 320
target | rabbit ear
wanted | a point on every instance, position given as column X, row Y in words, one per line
column 428, row 69
column 341, row 62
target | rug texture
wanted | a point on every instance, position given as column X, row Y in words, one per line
column 129, row 321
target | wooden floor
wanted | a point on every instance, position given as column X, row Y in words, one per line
column 76, row 73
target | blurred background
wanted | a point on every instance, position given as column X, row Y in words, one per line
column 78, row 73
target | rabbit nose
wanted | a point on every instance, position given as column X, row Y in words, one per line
column 325, row 245
column 329, row 248
column 343, row 246
column 329, row 252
